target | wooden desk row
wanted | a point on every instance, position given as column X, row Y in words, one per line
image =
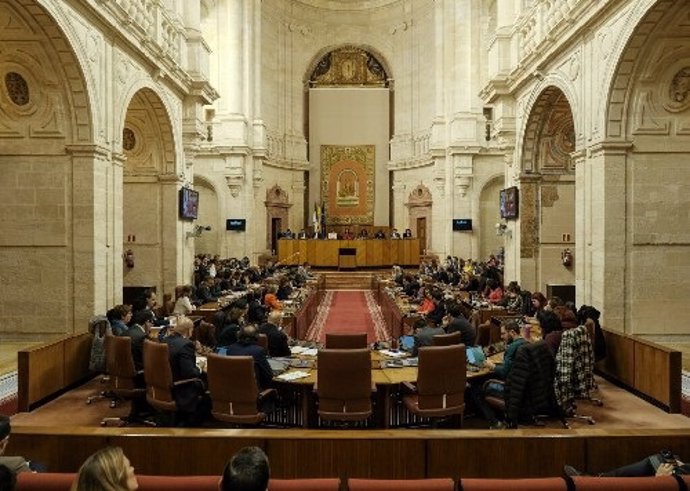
column 367, row 253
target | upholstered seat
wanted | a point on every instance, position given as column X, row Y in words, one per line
column 234, row 392
column 447, row 339
column 346, row 340
column 440, row 388
column 400, row 484
column 123, row 375
column 344, row 384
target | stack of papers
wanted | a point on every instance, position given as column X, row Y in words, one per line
column 302, row 350
column 294, row 375
column 393, row 354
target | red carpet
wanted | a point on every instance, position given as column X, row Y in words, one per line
column 348, row 311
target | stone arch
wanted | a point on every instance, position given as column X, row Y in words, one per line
column 39, row 50
column 277, row 207
column 641, row 22
column 487, row 215
column 547, row 188
column 210, row 213
column 546, row 101
column 150, row 184
column 149, row 109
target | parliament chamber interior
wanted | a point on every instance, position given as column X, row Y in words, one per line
column 412, row 244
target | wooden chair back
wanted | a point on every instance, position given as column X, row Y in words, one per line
column 344, row 384
column 346, row 340
column 233, row 388
column 158, row 376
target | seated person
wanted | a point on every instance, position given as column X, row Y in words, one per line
column 183, row 304
column 14, row 464
column 193, row 402
column 424, row 335
column 246, row 346
column 379, row 234
column 302, row 234
column 206, row 293
column 140, row 330
column 271, row 300
column 395, row 234
column 494, row 291
column 427, row 306
column 247, row 470
column 407, row 234
column 363, row 234
column 277, row 339
column 664, row 463
column 119, row 318
column 288, row 234
column 107, row 468
column 347, row 235
column 454, row 321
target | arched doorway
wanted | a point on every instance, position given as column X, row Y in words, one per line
column 208, row 242
column 638, row 238
column 419, row 208
column 348, row 127
column 149, row 195
column 547, row 193
column 489, row 241
column 54, row 246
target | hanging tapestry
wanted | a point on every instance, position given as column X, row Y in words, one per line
column 347, row 183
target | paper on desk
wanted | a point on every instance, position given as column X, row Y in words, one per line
column 393, row 354
column 293, row 375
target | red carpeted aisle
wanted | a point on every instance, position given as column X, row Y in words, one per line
column 349, row 311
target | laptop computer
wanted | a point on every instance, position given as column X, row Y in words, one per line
column 278, row 365
column 475, row 355
column 406, row 343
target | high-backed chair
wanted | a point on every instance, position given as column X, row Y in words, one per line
column 344, row 384
column 447, row 339
column 488, row 334
column 125, row 381
column 262, row 340
column 440, row 387
column 234, row 392
column 159, row 378
column 346, row 340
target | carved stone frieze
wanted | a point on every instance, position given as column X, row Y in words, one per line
column 549, row 195
column 529, row 223
column 348, row 66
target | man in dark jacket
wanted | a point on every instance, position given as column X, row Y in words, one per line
column 456, row 322
column 277, row 339
column 246, row 346
column 193, row 404
column 141, row 327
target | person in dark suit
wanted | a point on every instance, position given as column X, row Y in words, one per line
column 456, row 322
column 424, row 335
column 193, row 404
column 277, row 339
column 246, row 346
column 142, row 321
column 407, row 234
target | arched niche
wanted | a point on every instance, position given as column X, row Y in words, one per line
column 419, row 204
column 277, row 214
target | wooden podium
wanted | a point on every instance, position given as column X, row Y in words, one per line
column 369, row 253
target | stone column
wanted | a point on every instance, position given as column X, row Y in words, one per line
column 115, row 217
column 583, row 227
column 529, row 231
column 400, row 221
column 464, row 245
column 605, row 176
column 91, row 242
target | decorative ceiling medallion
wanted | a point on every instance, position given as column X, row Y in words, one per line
column 17, row 88
column 128, row 139
column 680, row 86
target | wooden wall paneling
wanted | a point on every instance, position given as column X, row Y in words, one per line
column 397, row 253
column 364, row 457
column 195, row 454
column 41, row 372
column 302, row 249
column 59, row 452
column 504, row 455
column 77, row 353
column 311, row 253
column 658, row 373
column 620, row 357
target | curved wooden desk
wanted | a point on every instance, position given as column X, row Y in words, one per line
column 368, row 253
column 385, row 378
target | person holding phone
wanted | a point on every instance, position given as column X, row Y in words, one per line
column 664, row 463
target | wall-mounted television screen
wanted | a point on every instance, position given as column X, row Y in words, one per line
column 189, row 204
column 236, row 224
column 462, row 224
column 509, row 203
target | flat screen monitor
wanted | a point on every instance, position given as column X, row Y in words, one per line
column 189, row 204
column 509, row 203
column 462, row 224
column 236, row 224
